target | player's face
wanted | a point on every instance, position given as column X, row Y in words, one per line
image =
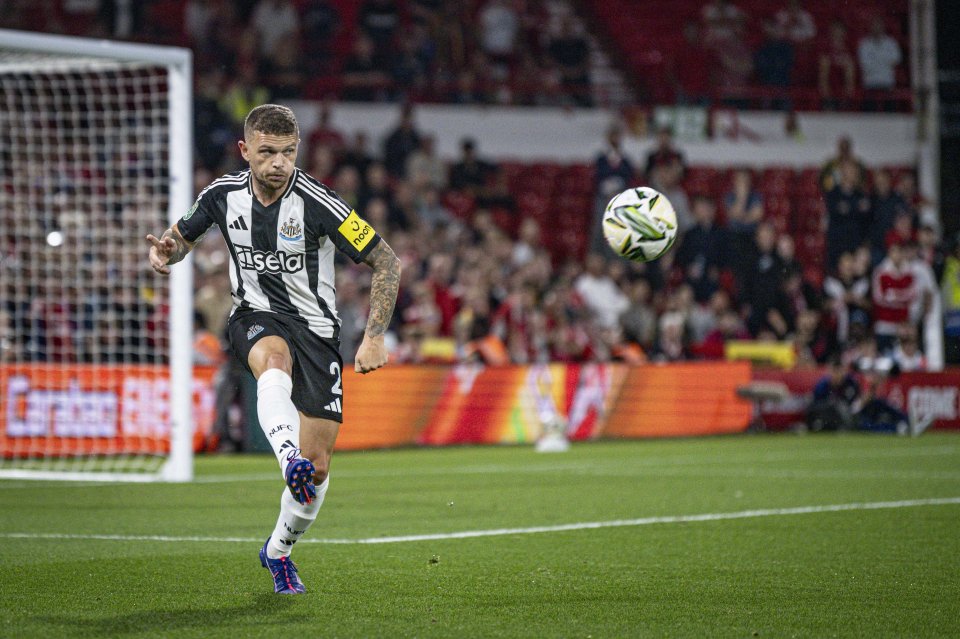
column 271, row 158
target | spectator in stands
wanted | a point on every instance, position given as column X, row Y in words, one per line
column 499, row 26
column 402, row 141
column 639, row 321
column 686, row 71
column 760, row 281
column 733, row 67
column 722, row 22
column 198, row 20
column 950, row 294
column 600, row 293
column 848, row 296
column 830, row 172
column 403, row 210
column 907, row 189
column 356, row 153
column 836, row 399
column 907, row 355
column 409, row 70
column 671, row 343
column 701, row 250
column 743, row 204
column 886, row 205
column 380, row 20
column 424, row 166
column 927, row 302
column 212, row 131
column 728, row 327
column 879, row 55
column 796, row 23
column 813, row 342
column 285, row 70
column 665, row 152
column 570, row 51
column 346, row 182
column 837, row 69
column 773, row 62
column 796, row 297
column 376, row 184
column 930, row 249
column 431, row 212
column 787, row 252
column 613, row 171
column 325, row 132
column 366, row 74
column 902, row 230
column 121, row 19
column 848, row 214
column 319, row 24
column 470, row 173
column 243, row 94
column 894, row 292
column 323, row 162
column 274, row 21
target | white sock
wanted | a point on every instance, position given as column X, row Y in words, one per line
column 294, row 520
column 279, row 418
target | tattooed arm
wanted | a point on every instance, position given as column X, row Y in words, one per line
column 169, row 249
column 384, row 285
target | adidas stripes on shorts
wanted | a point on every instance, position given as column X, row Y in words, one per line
column 317, row 365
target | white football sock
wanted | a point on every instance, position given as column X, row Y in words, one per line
column 279, row 418
column 294, row 520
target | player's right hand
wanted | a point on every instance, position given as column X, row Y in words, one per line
column 161, row 250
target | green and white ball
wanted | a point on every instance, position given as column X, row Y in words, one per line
column 640, row 224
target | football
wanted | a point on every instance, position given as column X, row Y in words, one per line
column 640, row 224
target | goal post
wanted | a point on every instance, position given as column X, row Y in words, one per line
column 96, row 357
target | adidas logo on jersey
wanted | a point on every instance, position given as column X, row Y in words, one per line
column 255, row 330
column 239, row 224
column 334, row 406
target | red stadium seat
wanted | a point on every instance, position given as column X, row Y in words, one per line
column 460, row 204
column 576, row 179
column 809, row 215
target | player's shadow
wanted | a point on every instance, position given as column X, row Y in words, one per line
column 264, row 609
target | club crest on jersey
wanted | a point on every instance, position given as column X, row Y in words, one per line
column 291, row 231
column 255, row 330
column 268, row 261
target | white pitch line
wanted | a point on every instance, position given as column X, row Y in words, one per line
column 530, row 530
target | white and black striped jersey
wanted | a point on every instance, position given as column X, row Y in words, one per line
column 282, row 253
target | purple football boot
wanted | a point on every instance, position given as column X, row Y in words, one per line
column 286, row 581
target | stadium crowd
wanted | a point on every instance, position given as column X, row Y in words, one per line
column 523, row 52
column 482, row 283
column 485, row 281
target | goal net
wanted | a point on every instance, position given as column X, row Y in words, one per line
column 95, row 348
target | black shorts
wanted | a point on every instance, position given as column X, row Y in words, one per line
column 317, row 364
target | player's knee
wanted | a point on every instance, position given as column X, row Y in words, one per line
column 321, row 462
column 281, row 361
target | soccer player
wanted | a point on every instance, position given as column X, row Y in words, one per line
column 281, row 227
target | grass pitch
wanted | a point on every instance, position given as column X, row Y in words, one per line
column 181, row 560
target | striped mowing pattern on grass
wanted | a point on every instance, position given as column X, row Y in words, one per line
column 530, row 530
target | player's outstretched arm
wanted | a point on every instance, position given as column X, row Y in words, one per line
column 169, row 249
column 384, row 285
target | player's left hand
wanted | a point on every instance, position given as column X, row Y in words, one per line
column 371, row 355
